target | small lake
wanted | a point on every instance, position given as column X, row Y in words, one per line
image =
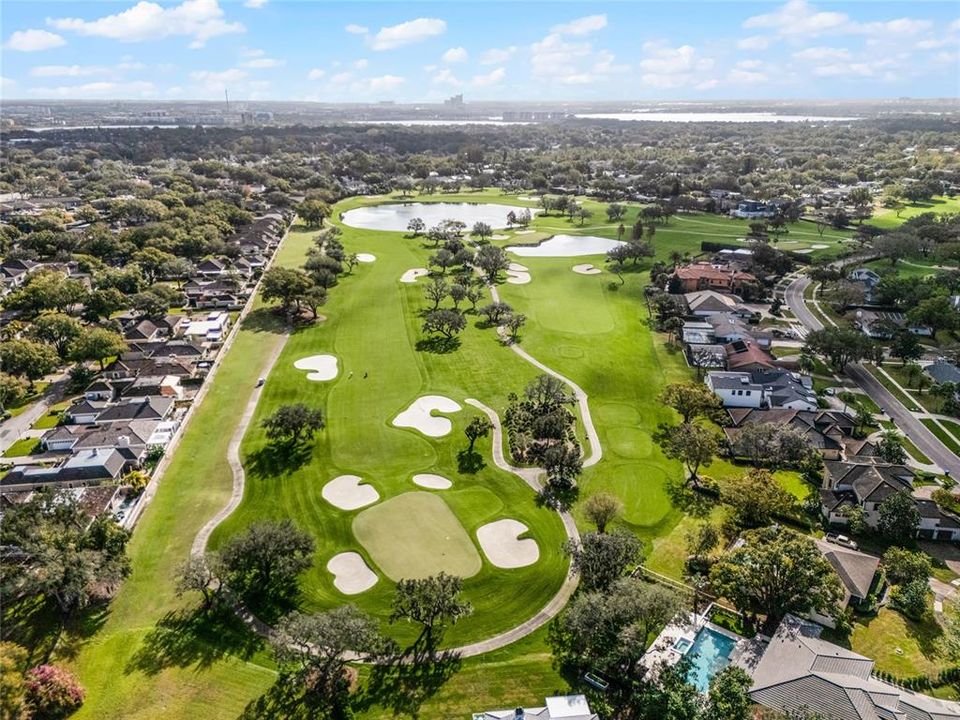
column 566, row 246
column 396, row 216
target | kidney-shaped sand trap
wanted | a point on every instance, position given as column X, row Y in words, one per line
column 366, row 257
column 349, row 492
column 410, row 276
column 350, row 573
column 433, row 482
column 419, row 415
column 586, row 269
column 518, row 274
column 321, row 367
column 501, row 544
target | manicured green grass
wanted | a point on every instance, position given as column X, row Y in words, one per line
column 52, row 418
column 882, row 378
column 899, row 646
column 38, row 389
column 945, row 437
column 860, row 400
column 885, row 218
column 373, row 326
column 436, row 542
column 22, row 447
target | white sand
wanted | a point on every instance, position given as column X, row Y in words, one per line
column 524, row 232
column 518, row 274
column 419, row 415
column 500, row 543
column 433, row 482
column 321, row 367
column 528, row 198
column 349, row 492
column 350, row 573
column 819, row 247
column 586, row 269
column 499, row 237
column 366, row 257
column 804, row 252
column 410, row 276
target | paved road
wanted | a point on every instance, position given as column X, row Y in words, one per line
column 15, row 428
column 905, row 420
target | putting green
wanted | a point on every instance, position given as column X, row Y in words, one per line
column 416, row 535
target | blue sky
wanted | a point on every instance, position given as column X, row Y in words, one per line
column 365, row 51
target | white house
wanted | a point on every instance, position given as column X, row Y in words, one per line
column 561, row 707
column 735, row 389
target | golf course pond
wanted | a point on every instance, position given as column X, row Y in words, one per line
column 566, row 246
column 396, row 216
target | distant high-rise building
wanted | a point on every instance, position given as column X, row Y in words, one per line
column 454, row 101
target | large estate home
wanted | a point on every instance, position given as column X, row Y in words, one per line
column 847, row 485
column 763, row 388
column 830, row 432
column 706, row 276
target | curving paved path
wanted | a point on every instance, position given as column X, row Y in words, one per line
column 233, row 457
column 596, row 450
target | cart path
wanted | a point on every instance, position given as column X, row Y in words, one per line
column 233, row 455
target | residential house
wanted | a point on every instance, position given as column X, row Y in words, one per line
column 868, row 278
column 213, row 268
column 144, row 331
column 828, row 431
column 754, row 210
column 708, row 302
column 13, row 273
column 747, row 356
column 763, row 389
column 847, row 485
column 149, row 408
column 698, row 333
column 88, row 467
column 706, row 356
column 856, row 571
column 704, row 276
column 799, row 672
column 943, row 371
column 728, row 328
column 211, row 329
column 153, row 385
column 129, row 368
column 84, row 412
column 882, row 325
column 564, row 707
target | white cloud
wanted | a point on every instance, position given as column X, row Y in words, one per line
column 360, row 64
column 33, row 40
column 495, row 56
column 6, row 83
column 263, row 63
column 316, row 74
column 407, row 33
column 255, row 4
column 797, row 17
column 357, row 29
column 745, row 77
column 898, row 27
column 845, row 69
column 822, row 53
column 455, row 55
column 199, row 20
column 494, row 77
column 754, row 42
column 66, row 70
column 668, row 67
column 445, row 76
column 253, row 52
column 101, row 89
column 341, row 78
column 581, row 26
column 750, row 64
column 375, row 85
column 218, row 77
column 707, row 84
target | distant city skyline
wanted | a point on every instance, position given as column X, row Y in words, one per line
column 523, row 51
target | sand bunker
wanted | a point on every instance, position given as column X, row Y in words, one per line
column 321, row 367
column 804, row 252
column 499, row 237
column 433, row 482
column 349, row 492
column 518, row 274
column 586, row 269
column 366, row 257
column 350, row 573
column 410, row 276
column 524, row 232
column 419, row 415
column 818, row 246
column 501, row 544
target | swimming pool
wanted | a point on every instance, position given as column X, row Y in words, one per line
column 710, row 654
